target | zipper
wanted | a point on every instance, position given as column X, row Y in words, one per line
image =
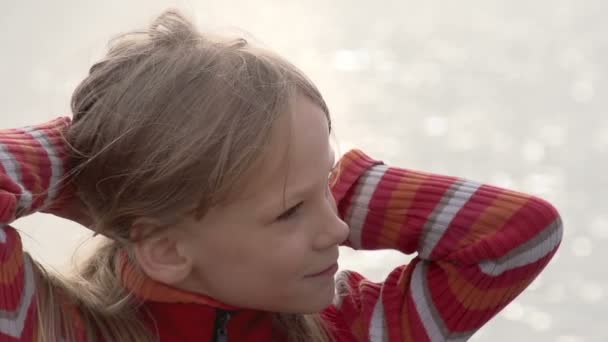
column 221, row 325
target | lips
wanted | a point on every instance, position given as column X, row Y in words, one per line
column 329, row 271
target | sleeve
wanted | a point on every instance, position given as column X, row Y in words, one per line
column 476, row 246
column 32, row 164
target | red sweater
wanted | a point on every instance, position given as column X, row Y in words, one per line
column 477, row 247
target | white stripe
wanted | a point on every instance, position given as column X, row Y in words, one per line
column 341, row 287
column 377, row 325
column 530, row 255
column 436, row 330
column 357, row 214
column 14, row 327
column 13, row 171
column 56, row 164
column 2, row 233
column 418, row 289
column 457, row 196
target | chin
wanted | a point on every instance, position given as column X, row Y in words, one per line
column 310, row 301
column 320, row 300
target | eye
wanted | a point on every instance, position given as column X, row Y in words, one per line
column 289, row 212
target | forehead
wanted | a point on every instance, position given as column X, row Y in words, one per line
column 298, row 152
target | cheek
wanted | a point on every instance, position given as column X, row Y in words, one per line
column 265, row 257
column 288, row 256
column 265, row 273
column 275, row 256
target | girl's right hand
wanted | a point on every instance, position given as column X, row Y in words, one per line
column 70, row 207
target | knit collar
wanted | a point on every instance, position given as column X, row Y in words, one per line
column 147, row 289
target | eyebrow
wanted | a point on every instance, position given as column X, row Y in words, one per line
column 286, row 198
column 302, row 190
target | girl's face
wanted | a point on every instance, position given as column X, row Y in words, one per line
column 265, row 249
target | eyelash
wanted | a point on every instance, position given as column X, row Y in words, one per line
column 293, row 210
column 289, row 212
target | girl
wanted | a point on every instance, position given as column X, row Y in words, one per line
column 205, row 162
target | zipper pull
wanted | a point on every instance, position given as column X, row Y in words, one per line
column 221, row 326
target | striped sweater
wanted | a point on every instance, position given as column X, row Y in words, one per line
column 476, row 246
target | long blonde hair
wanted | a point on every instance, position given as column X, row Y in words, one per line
column 167, row 118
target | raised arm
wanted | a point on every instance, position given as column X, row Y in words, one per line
column 32, row 162
column 477, row 247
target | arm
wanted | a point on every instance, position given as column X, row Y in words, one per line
column 478, row 247
column 32, row 163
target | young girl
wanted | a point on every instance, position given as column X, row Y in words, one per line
column 205, row 163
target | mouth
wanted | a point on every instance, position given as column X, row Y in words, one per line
column 328, row 272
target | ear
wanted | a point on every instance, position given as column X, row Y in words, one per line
column 160, row 255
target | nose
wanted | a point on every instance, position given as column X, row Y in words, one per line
column 333, row 230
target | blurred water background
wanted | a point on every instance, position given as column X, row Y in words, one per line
column 507, row 92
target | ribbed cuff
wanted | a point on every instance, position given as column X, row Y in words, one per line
column 443, row 217
column 350, row 167
column 34, row 159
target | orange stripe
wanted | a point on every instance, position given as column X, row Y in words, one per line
column 390, row 234
column 343, row 164
column 12, row 266
column 334, row 177
column 493, row 217
column 25, row 157
column 474, row 298
column 402, row 198
column 403, row 285
column 406, row 328
column 358, row 329
column 34, row 165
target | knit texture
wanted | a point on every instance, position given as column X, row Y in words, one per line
column 477, row 247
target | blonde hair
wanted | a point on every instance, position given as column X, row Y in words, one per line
column 166, row 109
